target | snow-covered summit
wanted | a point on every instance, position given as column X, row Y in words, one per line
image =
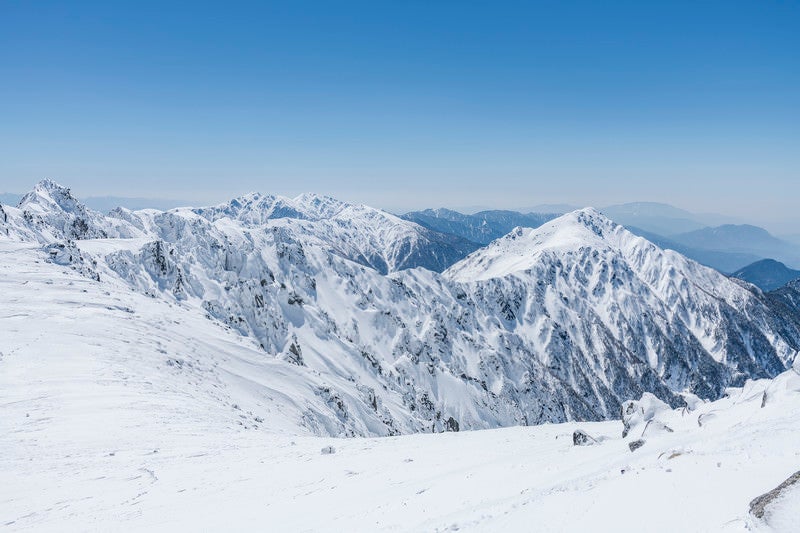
column 48, row 195
column 602, row 272
column 50, row 212
column 520, row 249
column 320, row 206
column 256, row 209
column 370, row 236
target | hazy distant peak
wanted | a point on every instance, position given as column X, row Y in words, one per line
column 767, row 274
column 650, row 209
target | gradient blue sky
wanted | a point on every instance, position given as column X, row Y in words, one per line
column 408, row 104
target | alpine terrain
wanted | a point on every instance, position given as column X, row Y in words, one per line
column 202, row 365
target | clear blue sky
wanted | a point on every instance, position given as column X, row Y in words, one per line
column 408, row 103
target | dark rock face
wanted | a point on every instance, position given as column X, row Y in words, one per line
column 785, row 304
column 581, row 438
column 451, row 424
column 3, row 220
column 636, row 444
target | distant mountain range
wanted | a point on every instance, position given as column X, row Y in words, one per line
column 653, row 217
column 727, row 247
column 663, row 219
column 741, row 238
column 558, row 209
column 710, row 239
column 482, row 227
column 721, row 260
column 767, row 274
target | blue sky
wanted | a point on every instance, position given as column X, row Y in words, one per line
column 407, row 104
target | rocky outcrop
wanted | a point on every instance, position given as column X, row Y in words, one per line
column 67, row 254
column 636, row 444
column 581, row 438
column 759, row 505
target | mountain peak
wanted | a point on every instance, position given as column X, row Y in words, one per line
column 520, row 249
column 319, row 206
column 47, row 195
column 256, row 208
column 587, row 218
column 50, row 188
column 48, row 184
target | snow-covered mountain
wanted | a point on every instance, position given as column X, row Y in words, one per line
column 563, row 322
column 50, row 213
column 486, row 226
column 363, row 234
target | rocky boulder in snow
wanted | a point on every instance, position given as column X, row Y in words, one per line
column 636, row 444
column 581, row 438
column 759, row 505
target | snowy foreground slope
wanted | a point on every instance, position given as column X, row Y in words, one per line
column 101, row 432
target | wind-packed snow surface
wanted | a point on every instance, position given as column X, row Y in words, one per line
column 562, row 322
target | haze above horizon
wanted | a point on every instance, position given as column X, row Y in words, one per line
column 409, row 105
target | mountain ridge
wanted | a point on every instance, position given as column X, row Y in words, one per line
column 582, row 328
